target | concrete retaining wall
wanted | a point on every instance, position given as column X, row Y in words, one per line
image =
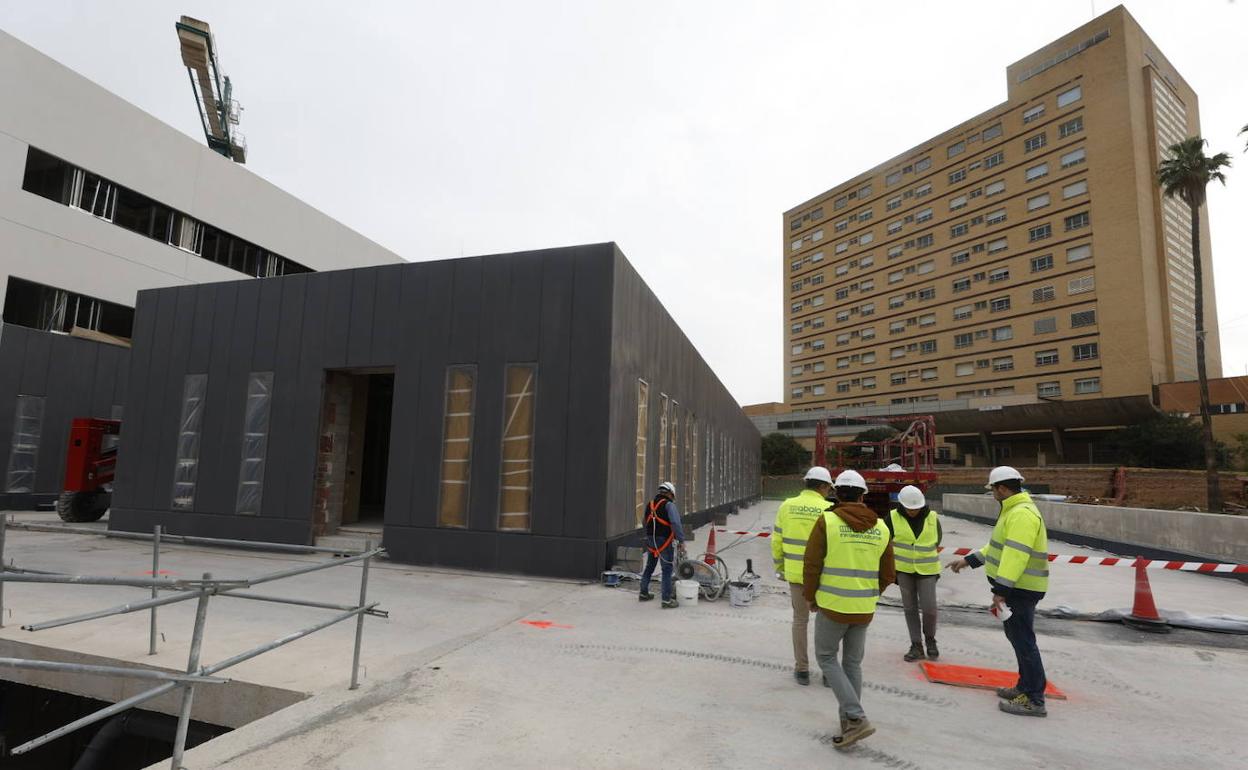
column 1205, row 536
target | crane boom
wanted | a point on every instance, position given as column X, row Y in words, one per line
column 218, row 112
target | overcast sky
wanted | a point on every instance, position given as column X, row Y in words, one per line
column 681, row 130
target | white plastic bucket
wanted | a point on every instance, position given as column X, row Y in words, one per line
column 740, row 593
column 687, row 591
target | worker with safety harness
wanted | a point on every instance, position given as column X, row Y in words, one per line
column 1017, row 556
column 849, row 561
column 660, row 531
column 916, row 535
column 794, row 520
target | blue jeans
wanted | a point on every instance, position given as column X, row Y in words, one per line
column 666, row 560
column 1020, row 630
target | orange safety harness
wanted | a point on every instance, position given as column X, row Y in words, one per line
column 652, row 520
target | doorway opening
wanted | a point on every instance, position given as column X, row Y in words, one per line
column 353, row 451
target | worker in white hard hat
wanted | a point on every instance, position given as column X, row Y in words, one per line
column 794, row 520
column 1017, row 556
column 664, row 540
column 916, row 536
column 849, row 561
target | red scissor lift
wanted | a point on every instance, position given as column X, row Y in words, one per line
column 913, row 450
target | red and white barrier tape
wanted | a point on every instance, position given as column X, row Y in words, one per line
column 1116, row 561
column 1100, row 561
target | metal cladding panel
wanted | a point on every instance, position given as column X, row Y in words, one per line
column 410, row 282
column 388, row 315
column 283, row 445
column 103, row 382
column 589, row 355
column 151, row 438
column 12, row 355
column 201, row 332
column 35, row 361
column 550, row 451
column 175, row 365
column 300, row 435
column 131, row 460
column 483, row 499
column 268, row 325
column 338, row 317
column 435, row 330
column 216, row 487
column 71, row 370
column 360, row 321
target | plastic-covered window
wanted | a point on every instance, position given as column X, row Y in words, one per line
column 255, row 443
column 24, row 451
column 186, row 465
column 457, row 446
column 516, row 484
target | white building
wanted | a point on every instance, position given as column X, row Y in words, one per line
column 98, row 200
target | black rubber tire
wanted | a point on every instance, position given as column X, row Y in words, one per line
column 78, row 507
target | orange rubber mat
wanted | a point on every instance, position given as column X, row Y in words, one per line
column 969, row 676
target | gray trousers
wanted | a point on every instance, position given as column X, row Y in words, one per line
column 918, row 594
column 845, row 675
column 801, row 624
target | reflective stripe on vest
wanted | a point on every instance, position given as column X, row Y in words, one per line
column 1014, row 525
column 799, row 515
column 915, row 555
column 850, row 581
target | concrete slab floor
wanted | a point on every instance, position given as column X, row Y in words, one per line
column 454, row 680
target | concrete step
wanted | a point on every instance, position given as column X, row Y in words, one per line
column 347, row 542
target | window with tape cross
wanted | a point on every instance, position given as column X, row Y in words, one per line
column 516, row 483
column 457, row 446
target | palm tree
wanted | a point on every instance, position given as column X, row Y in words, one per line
column 1184, row 173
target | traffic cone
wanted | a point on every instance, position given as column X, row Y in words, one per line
column 710, row 548
column 1144, row 615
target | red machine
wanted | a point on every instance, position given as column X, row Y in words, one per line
column 89, row 467
column 908, row 458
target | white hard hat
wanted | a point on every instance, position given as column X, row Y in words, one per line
column 819, row 473
column 851, row 479
column 911, row 497
column 1002, row 473
column 668, row 486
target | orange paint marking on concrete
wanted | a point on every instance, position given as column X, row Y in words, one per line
column 986, row 678
column 544, row 624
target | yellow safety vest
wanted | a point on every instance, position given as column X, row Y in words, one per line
column 1017, row 555
column 915, row 555
column 794, row 521
column 850, row 583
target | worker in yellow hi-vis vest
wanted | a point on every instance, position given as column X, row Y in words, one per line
column 849, row 561
column 1017, row 556
column 794, row 520
column 916, row 536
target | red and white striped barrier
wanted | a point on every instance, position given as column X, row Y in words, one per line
column 742, row 532
column 1100, row 561
column 1116, row 561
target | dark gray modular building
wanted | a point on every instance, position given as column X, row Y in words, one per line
column 512, row 412
column 46, row 380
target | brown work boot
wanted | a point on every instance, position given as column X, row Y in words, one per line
column 855, row 730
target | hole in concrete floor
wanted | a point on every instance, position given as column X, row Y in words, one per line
column 131, row 740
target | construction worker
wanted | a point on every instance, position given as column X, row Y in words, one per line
column 794, row 520
column 1018, row 571
column 849, row 561
column 916, row 535
column 660, row 532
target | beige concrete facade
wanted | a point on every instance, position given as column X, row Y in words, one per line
column 1025, row 254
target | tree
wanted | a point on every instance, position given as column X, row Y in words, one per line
column 782, row 455
column 1164, row 441
column 1184, row 174
column 1243, row 131
column 882, row 433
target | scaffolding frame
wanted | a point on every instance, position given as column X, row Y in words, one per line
column 201, row 590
